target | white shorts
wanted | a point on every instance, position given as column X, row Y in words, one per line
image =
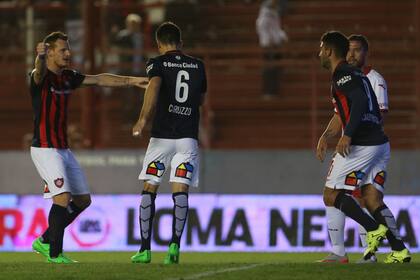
column 60, row 171
column 181, row 154
column 364, row 165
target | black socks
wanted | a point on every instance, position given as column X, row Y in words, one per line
column 351, row 208
column 71, row 214
column 57, row 223
column 147, row 212
column 179, row 215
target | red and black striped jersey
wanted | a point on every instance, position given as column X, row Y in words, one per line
column 355, row 102
column 50, row 101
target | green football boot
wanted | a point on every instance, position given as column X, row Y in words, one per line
column 41, row 248
column 173, row 254
column 373, row 238
column 402, row 256
column 61, row 259
column 142, row 257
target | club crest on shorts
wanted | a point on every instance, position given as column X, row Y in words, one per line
column 380, row 178
column 184, row 170
column 353, row 178
column 59, row 182
column 155, row 168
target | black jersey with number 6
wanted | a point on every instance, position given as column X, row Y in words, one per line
column 181, row 93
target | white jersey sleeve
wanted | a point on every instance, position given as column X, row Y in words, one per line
column 380, row 88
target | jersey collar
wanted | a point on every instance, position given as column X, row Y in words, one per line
column 174, row 52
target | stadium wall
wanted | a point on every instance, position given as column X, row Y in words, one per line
column 221, row 172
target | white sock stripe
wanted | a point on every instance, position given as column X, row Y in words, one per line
column 390, row 222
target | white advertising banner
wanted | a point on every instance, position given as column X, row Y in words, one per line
column 264, row 223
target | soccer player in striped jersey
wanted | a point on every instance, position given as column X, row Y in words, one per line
column 52, row 83
column 370, row 196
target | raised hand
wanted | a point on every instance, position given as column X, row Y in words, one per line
column 41, row 49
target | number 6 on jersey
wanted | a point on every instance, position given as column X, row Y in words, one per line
column 181, row 89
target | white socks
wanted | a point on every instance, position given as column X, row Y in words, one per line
column 335, row 222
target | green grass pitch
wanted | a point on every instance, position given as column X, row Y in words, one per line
column 264, row 266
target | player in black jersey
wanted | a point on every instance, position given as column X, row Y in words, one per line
column 363, row 149
column 51, row 86
column 175, row 93
column 370, row 194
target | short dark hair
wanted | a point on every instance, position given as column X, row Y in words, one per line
column 168, row 33
column 361, row 39
column 337, row 41
column 54, row 36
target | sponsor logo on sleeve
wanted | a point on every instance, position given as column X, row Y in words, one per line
column 343, row 80
column 148, row 68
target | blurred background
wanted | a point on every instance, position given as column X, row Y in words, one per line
column 267, row 104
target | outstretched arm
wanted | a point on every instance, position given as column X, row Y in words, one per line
column 333, row 128
column 111, row 80
column 149, row 104
column 40, row 63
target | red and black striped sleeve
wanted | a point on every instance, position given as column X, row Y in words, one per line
column 354, row 99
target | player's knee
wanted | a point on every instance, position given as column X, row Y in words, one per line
column 372, row 198
column 62, row 199
column 179, row 187
column 82, row 201
column 372, row 202
column 151, row 186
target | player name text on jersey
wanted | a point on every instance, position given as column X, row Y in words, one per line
column 186, row 111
